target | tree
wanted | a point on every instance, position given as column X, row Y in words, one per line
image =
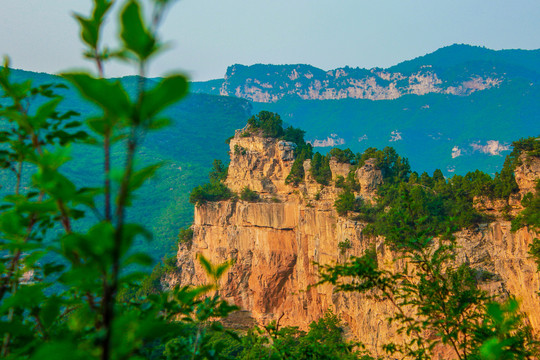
column 69, row 307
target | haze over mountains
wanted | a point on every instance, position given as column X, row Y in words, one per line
column 457, row 109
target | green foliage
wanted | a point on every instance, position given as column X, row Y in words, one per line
column 343, row 246
column 269, row 123
column 433, row 294
column 239, row 150
column 294, row 135
column 342, row 156
column 218, row 172
column 302, row 153
column 214, row 191
column 345, row 202
column 350, row 183
column 394, row 168
column 320, row 169
column 530, row 216
column 93, row 300
column 323, row 341
column 185, row 235
column 249, row 195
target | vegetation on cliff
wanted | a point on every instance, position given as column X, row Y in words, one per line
column 432, row 294
column 215, row 190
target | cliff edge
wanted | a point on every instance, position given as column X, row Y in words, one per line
column 277, row 241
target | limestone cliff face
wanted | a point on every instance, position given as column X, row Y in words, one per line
column 277, row 241
column 310, row 83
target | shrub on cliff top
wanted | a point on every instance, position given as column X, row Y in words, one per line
column 342, row 156
column 271, row 125
column 249, row 195
column 214, row 191
column 185, row 235
column 268, row 122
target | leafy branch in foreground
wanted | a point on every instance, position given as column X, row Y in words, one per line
column 67, row 307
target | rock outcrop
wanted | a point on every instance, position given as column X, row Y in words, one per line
column 277, row 242
column 310, row 83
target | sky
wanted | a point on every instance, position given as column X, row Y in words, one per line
column 207, row 36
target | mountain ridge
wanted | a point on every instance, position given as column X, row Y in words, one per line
column 455, row 69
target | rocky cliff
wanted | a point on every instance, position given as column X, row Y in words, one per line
column 277, row 241
column 310, row 83
column 457, row 70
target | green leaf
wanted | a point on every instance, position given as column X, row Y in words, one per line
column 50, row 311
column 14, row 328
column 140, row 259
column 11, row 223
column 168, row 91
column 158, row 124
column 55, row 184
column 46, row 206
column 99, row 125
column 59, row 350
column 109, row 95
column 89, row 31
column 208, row 268
column 134, row 34
column 90, row 27
column 44, row 112
column 139, row 177
column 28, row 296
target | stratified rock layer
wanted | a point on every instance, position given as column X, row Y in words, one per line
column 310, row 83
column 277, row 242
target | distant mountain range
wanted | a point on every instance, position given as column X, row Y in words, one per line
column 455, row 70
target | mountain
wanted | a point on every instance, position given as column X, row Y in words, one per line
column 280, row 239
column 457, row 109
column 457, row 70
column 162, row 204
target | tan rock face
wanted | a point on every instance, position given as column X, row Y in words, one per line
column 369, row 178
column 262, row 164
column 276, row 246
column 527, row 174
column 339, row 84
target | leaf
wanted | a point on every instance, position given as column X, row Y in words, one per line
column 157, row 124
column 59, row 350
column 50, row 311
column 134, row 34
column 208, row 268
column 140, row 259
column 11, row 223
column 109, row 95
column 28, row 296
column 89, row 31
column 220, row 269
column 168, row 91
column 139, row 177
column 90, row 27
column 44, row 112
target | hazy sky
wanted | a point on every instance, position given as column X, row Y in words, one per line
column 209, row 35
